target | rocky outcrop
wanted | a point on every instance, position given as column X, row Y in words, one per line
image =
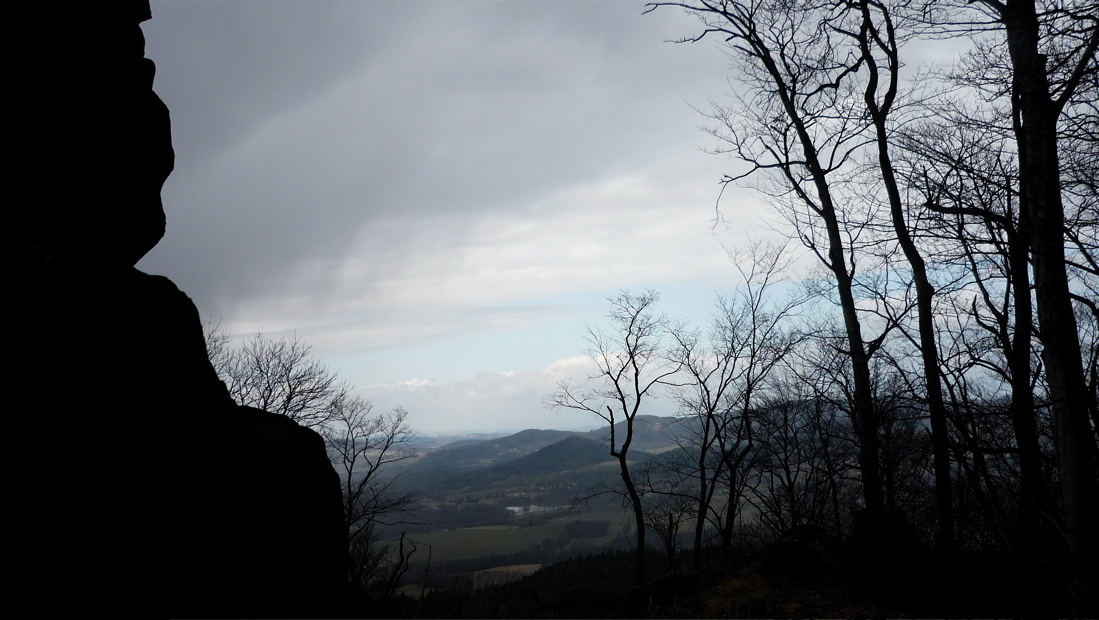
column 139, row 487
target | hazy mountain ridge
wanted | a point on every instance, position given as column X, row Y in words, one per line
column 477, row 454
column 650, row 435
column 568, row 454
column 534, row 459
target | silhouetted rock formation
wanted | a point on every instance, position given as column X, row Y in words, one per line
column 90, row 127
column 140, row 486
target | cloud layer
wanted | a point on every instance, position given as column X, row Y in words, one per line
column 436, row 190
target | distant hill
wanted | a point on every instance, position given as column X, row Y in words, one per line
column 651, row 434
column 570, row 453
column 467, row 454
column 571, row 467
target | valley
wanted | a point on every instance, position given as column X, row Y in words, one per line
column 486, row 506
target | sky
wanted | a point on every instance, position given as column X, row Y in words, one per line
column 440, row 196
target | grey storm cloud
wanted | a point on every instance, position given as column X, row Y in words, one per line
column 299, row 124
column 438, row 195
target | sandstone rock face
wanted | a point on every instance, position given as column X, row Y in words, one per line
column 139, row 486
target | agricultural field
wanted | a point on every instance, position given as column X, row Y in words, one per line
column 530, row 499
column 539, row 533
column 502, row 574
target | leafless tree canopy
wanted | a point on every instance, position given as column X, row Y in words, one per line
column 278, row 375
column 953, row 214
column 630, row 367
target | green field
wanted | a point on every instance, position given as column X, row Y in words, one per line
column 480, row 541
column 502, row 574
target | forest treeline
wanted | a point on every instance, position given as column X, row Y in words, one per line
column 935, row 382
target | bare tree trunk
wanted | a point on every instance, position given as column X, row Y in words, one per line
column 793, row 66
column 669, row 541
column 879, row 111
column 638, row 512
column 630, row 366
column 732, row 466
column 1036, row 134
column 1035, row 501
column 705, row 493
column 865, row 418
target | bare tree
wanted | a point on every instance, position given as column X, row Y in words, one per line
column 362, row 445
column 724, row 377
column 802, row 132
column 669, row 499
column 807, row 452
column 879, row 46
column 277, row 375
column 1067, row 35
column 1045, row 65
column 218, row 347
column 788, row 491
column 378, row 567
column 964, row 167
column 629, row 366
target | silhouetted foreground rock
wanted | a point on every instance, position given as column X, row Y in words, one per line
column 139, row 487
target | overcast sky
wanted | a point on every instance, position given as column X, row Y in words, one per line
column 439, row 196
